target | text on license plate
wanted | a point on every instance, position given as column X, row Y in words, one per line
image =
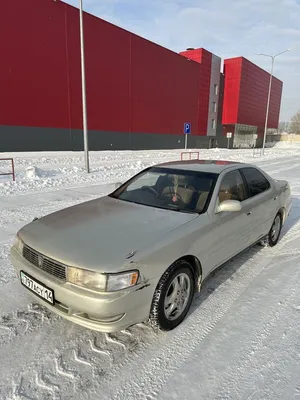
column 42, row 291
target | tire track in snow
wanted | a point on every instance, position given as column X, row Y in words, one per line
column 278, row 362
column 145, row 381
column 23, row 322
column 280, row 160
column 7, row 273
column 285, row 169
column 266, row 332
column 78, row 366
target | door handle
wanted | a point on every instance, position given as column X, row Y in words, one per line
column 249, row 213
column 276, row 197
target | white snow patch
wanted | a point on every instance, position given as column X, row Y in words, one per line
column 33, row 173
column 289, row 144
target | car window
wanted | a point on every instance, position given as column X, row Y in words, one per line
column 167, row 188
column 256, row 181
column 146, row 180
column 232, row 187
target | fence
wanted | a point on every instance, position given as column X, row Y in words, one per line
column 12, row 168
column 190, row 153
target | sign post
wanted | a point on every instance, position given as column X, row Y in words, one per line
column 229, row 136
column 187, row 129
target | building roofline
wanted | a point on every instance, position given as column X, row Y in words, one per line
column 242, row 58
column 134, row 34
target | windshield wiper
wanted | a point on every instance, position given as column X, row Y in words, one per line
column 183, row 210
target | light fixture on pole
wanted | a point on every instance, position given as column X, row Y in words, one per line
column 269, row 92
column 83, row 87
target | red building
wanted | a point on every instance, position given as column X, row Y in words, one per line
column 245, row 101
column 139, row 94
column 209, row 88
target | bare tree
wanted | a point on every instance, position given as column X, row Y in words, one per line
column 283, row 126
column 295, row 124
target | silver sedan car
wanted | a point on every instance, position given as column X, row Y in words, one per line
column 140, row 253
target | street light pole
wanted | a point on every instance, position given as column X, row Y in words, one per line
column 268, row 106
column 269, row 92
column 83, row 87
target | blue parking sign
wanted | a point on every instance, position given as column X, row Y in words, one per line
column 187, row 128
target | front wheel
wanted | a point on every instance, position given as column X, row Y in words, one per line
column 173, row 297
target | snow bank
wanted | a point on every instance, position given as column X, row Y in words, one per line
column 48, row 171
column 287, row 145
column 33, row 173
column 34, row 179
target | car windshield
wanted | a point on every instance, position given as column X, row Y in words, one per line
column 172, row 189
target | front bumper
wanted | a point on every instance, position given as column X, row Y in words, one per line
column 104, row 312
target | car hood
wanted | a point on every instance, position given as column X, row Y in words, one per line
column 100, row 234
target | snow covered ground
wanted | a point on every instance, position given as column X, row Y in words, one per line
column 241, row 340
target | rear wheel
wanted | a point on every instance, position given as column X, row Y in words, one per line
column 275, row 231
column 274, row 234
column 173, row 296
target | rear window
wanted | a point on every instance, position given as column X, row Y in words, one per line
column 256, row 181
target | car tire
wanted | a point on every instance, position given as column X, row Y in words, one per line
column 273, row 236
column 179, row 276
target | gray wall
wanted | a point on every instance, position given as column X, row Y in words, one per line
column 214, row 80
column 19, row 139
column 220, row 137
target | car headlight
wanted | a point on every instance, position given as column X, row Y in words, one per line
column 85, row 278
column 18, row 244
column 101, row 282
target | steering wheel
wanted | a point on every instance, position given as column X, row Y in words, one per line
column 151, row 190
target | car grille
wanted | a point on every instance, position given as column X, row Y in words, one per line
column 46, row 264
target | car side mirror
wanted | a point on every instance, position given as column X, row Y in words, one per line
column 229, row 206
column 118, row 184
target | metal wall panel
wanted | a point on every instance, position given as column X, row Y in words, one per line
column 133, row 85
column 246, row 92
column 18, row 139
column 204, row 59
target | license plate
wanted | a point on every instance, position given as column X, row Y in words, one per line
column 38, row 288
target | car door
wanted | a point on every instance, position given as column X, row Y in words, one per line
column 262, row 201
column 230, row 230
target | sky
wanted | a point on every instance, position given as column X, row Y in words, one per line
column 227, row 28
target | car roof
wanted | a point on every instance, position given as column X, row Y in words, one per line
column 211, row 166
